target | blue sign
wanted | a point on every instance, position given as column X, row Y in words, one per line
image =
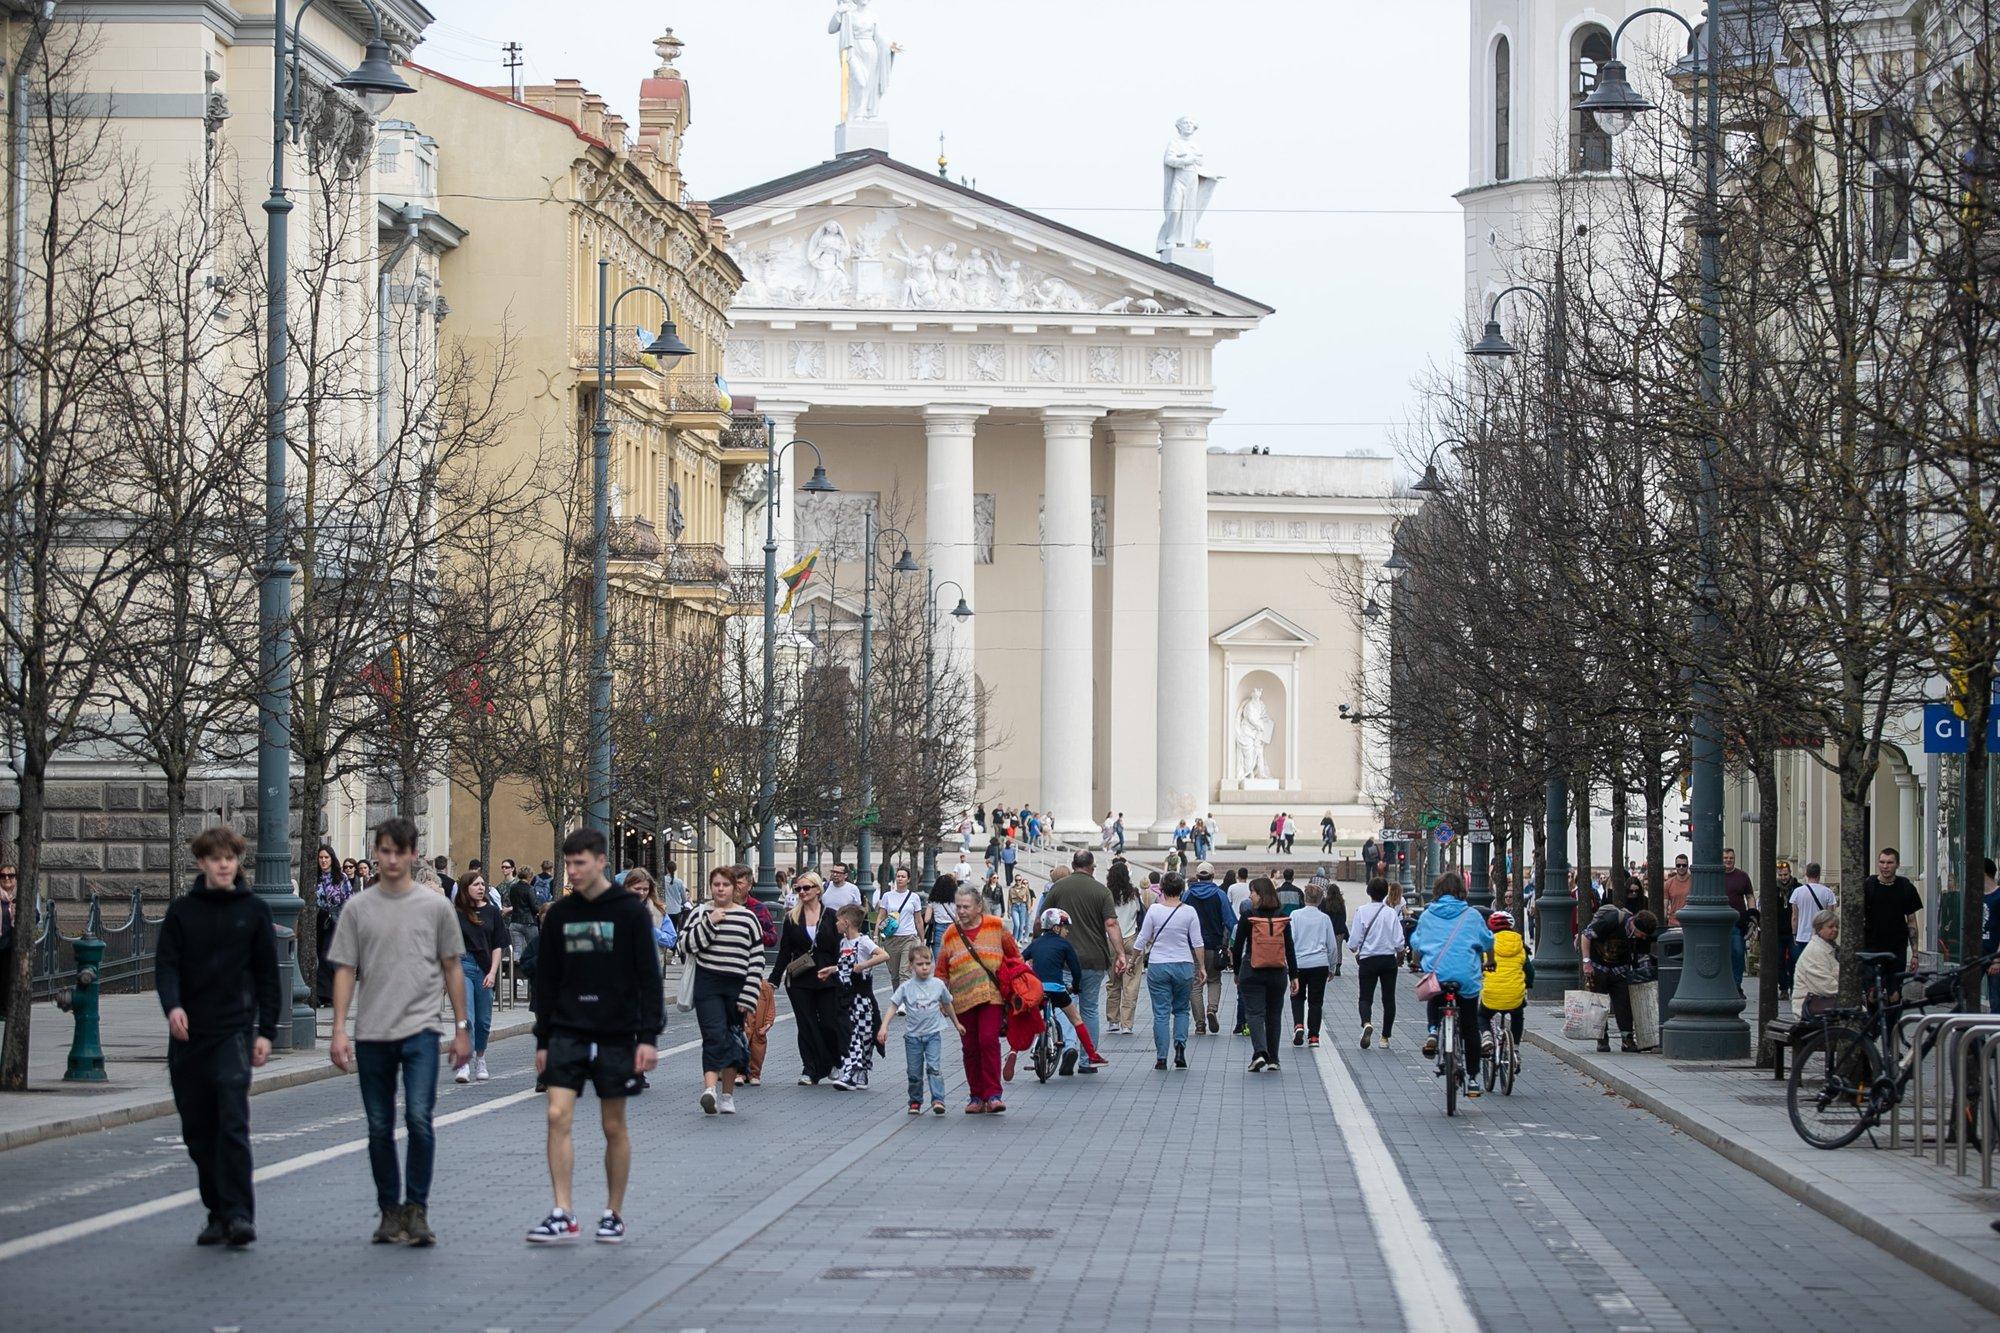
column 1945, row 731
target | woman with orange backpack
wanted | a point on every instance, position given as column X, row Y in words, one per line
column 1266, row 971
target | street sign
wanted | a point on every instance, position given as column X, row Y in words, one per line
column 1444, row 834
column 1478, row 829
column 1945, row 731
column 1387, row 835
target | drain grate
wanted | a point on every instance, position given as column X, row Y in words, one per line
column 1762, row 1098
column 960, row 1233
column 956, row 1272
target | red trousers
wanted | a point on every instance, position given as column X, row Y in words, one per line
column 981, row 1048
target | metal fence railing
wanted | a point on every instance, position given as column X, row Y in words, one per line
column 130, row 949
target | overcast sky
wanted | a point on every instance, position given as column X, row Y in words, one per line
column 1340, row 137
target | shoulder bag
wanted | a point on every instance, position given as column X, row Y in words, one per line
column 1427, row 985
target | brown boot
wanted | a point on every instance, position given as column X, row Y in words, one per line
column 390, row 1230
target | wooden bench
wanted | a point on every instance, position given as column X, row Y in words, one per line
column 1782, row 1033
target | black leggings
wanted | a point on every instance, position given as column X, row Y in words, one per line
column 1380, row 968
column 1307, row 1000
column 1514, row 1018
column 1468, row 1026
column 1621, row 1002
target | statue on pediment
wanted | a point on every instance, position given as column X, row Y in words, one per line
column 978, row 279
column 826, row 254
column 1187, row 191
column 866, row 59
column 919, row 275
column 950, row 290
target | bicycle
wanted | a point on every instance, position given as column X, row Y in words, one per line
column 1049, row 1045
column 1504, row 1063
column 1841, row 1085
column 1450, row 1067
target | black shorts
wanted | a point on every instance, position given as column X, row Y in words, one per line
column 611, row 1067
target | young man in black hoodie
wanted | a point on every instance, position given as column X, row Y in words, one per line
column 598, row 1015
column 217, row 977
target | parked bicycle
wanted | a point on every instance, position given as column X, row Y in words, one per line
column 1847, row 1076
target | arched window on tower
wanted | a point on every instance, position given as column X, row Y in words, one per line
column 1503, row 109
column 1589, row 145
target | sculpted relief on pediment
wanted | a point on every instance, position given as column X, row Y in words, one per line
column 883, row 259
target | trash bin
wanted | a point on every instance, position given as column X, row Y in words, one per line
column 1668, row 948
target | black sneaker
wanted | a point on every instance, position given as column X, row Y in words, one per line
column 1159, row 1064
column 1367, row 1034
column 1298, row 1036
column 937, row 1108
column 1180, row 1055
column 1068, row 1063
column 389, row 1231
column 417, row 1226
column 238, row 1232
column 213, row 1233
column 558, row 1228
column 1257, row 1062
column 610, row 1229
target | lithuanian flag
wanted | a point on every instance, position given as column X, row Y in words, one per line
column 796, row 578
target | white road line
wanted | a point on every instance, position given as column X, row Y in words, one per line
column 1426, row 1286
column 139, row 1212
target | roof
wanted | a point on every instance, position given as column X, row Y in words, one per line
column 505, row 100
column 851, row 162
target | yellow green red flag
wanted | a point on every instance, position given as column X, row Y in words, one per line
column 796, row 578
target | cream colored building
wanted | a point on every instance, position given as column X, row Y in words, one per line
column 546, row 186
column 1035, row 402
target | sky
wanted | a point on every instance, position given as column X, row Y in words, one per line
column 1339, row 137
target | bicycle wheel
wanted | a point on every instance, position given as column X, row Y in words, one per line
column 1044, row 1057
column 1507, row 1054
column 1489, row 1069
column 1829, row 1092
column 1448, row 1052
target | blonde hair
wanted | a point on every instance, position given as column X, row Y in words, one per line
column 1826, row 916
column 804, row 879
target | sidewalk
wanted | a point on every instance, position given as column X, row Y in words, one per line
column 1922, row 1213
column 134, row 1038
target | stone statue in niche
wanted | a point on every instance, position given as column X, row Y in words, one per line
column 1187, row 189
column 827, row 254
column 1254, row 728
column 866, row 59
column 982, row 528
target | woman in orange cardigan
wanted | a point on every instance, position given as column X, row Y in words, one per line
column 969, row 959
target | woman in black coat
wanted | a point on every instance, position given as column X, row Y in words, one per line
column 809, row 941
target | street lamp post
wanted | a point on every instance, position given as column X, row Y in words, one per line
column 375, row 82
column 1557, row 963
column 961, row 613
column 767, row 787
column 668, row 347
column 905, row 564
column 1706, row 1016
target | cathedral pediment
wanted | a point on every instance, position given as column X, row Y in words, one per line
column 865, row 233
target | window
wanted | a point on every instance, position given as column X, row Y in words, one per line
column 1589, row 145
column 1888, row 190
column 1503, row 108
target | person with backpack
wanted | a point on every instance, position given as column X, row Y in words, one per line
column 1170, row 939
column 217, row 977
column 1377, row 935
column 1218, row 920
column 1266, row 970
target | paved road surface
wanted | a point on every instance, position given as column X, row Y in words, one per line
column 1333, row 1194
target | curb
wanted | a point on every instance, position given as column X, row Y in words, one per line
column 1966, row 1280
column 91, row 1122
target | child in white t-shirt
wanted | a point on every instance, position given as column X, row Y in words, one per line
column 858, row 956
column 925, row 1003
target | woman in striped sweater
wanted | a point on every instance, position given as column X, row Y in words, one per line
column 724, row 943
column 969, row 960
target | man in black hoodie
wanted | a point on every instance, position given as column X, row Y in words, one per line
column 598, row 1015
column 217, row 977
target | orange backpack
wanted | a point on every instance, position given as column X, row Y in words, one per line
column 1267, row 941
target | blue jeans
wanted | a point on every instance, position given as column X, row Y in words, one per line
column 1090, row 1001
column 377, row 1063
column 923, row 1057
column 1169, row 990
column 1736, row 956
column 478, row 1000
column 1018, row 913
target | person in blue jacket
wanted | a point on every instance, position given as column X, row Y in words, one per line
column 1452, row 941
column 1218, row 924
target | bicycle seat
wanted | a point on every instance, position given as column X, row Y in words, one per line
column 1878, row 958
column 1448, row 987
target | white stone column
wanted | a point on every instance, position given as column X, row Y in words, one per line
column 784, row 429
column 1132, row 748
column 1372, row 738
column 1185, row 711
column 1069, row 683
column 948, row 531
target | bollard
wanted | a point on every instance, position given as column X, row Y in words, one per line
column 86, row 1052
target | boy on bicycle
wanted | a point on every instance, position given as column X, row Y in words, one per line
column 1053, row 957
column 1509, row 973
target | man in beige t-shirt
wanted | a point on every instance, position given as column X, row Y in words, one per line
column 395, row 950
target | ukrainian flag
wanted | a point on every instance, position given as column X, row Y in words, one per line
column 723, row 402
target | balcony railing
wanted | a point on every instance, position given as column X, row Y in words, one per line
column 622, row 343
column 695, row 564
column 692, row 392
column 746, row 585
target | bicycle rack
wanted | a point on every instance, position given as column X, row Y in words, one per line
column 1952, row 1030
column 1904, row 1049
column 1990, row 1109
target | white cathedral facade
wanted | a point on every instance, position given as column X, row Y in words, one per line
column 1031, row 404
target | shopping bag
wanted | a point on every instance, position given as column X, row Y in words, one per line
column 1585, row 1014
column 1646, row 1014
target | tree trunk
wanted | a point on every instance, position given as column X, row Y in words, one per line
column 1854, row 871
column 486, row 825
column 176, row 811
column 1774, row 937
column 1580, row 789
column 1621, row 817
column 1654, row 775
column 1972, row 882
column 27, row 896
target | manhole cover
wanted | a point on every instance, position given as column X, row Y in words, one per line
column 1762, row 1098
column 989, row 1272
column 960, row 1233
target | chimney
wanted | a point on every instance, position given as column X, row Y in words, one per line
column 665, row 108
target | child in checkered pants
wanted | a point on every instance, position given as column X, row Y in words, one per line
column 858, row 956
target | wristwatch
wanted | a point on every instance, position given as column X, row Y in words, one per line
column 464, row 1026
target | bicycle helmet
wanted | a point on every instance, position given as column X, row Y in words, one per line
column 1053, row 918
column 1500, row 921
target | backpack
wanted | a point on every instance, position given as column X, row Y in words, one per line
column 1267, row 941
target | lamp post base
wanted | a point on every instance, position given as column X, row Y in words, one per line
column 1705, row 1020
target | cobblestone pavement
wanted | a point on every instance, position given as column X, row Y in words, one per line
column 1131, row 1199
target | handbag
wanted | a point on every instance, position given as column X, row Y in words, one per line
column 684, row 998
column 1427, row 984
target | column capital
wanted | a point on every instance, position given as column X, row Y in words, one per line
column 1187, row 423
column 1068, row 423
column 948, row 417
column 787, row 410
column 1074, row 412
column 1133, row 430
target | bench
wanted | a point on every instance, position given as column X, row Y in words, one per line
column 1782, row 1033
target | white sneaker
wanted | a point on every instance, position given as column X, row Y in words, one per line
column 479, row 1068
column 707, row 1100
column 462, row 1073
column 727, row 1104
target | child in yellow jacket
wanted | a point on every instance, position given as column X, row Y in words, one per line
column 1509, row 973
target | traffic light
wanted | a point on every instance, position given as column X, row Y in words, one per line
column 1687, row 824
